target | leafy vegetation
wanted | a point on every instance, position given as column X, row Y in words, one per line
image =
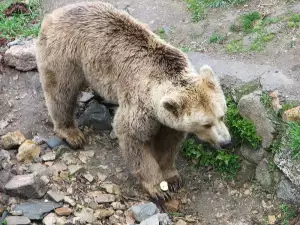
column 20, row 25
column 242, row 129
column 226, row 163
column 248, row 21
column 288, row 213
column 199, row 7
column 217, row 38
column 294, row 139
column 235, row 46
column 294, row 21
column 266, row 100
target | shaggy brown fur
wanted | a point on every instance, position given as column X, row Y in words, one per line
column 160, row 95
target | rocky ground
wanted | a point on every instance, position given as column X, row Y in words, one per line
column 42, row 181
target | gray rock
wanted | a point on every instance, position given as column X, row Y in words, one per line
column 265, row 176
column 16, row 42
column 16, row 213
column 143, row 211
column 5, row 162
column 105, row 198
column 96, row 116
column 251, row 107
column 86, row 97
column 26, row 186
column 253, row 156
column 12, row 140
column 56, row 196
column 22, row 57
column 157, row 219
column 86, row 215
column 37, row 210
column 289, row 166
column 17, row 220
column 50, row 156
column 288, row 192
column 69, row 200
column 50, row 219
column 54, row 142
column 74, row 169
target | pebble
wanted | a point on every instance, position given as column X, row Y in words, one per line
column 50, row 156
column 17, row 220
column 271, row 219
column 69, row 200
column 50, row 219
column 88, row 176
column 28, row 151
column 86, row 97
column 86, row 215
column 64, row 211
column 104, row 213
column 172, row 205
column 181, row 222
column 54, row 142
column 16, row 213
column 105, row 198
column 12, row 140
column 143, row 211
column 55, row 195
column 102, row 177
column 74, row 169
column 118, row 206
column 26, row 186
column 111, row 188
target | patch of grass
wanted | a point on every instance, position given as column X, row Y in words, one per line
column 248, row 21
column 266, row 100
column 161, row 33
column 294, row 139
column 271, row 20
column 288, row 213
column 199, row 7
column 20, row 25
column 226, row 163
column 235, row 46
column 241, row 129
column 186, row 49
column 217, row 38
column 261, row 41
column 275, row 146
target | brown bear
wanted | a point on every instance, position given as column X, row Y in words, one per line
column 160, row 95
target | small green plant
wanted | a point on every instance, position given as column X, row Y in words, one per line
column 199, row 7
column 235, row 46
column 4, row 222
column 288, row 213
column 248, row 21
column 186, row 49
column 294, row 138
column 275, row 146
column 266, row 100
column 161, row 33
column 242, row 129
column 216, row 38
column 20, row 25
column 223, row 162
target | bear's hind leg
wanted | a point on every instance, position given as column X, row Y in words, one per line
column 61, row 90
column 166, row 147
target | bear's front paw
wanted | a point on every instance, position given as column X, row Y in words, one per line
column 74, row 137
column 174, row 180
column 155, row 192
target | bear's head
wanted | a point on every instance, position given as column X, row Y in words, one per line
column 198, row 107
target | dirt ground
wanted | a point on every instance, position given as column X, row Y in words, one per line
column 205, row 196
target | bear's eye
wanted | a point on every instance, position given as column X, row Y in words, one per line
column 207, row 126
column 222, row 118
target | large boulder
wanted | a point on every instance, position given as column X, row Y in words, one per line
column 22, row 57
column 251, row 107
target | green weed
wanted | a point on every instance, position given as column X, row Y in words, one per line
column 186, row 49
column 161, row 33
column 266, row 100
column 241, row 129
column 222, row 161
column 294, row 138
column 248, row 21
column 216, row 38
column 235, row 46
column 288, row 213
column 199, row 7
column 20, row 25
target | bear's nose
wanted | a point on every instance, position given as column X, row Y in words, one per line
column 225, row 144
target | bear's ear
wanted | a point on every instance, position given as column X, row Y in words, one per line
column 172, row 104
column 208, row 76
